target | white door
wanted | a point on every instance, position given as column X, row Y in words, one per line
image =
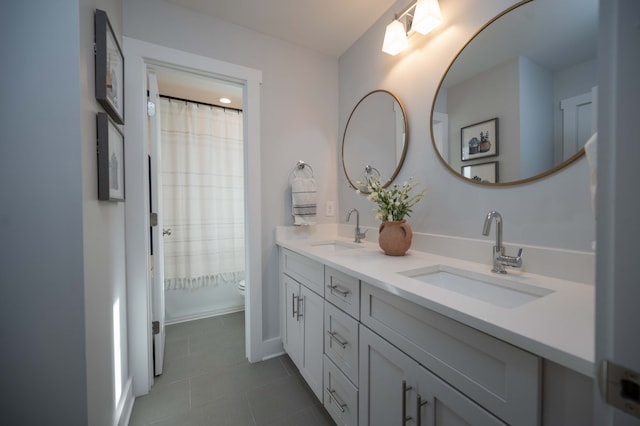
column 157, row 232
column 577, row 125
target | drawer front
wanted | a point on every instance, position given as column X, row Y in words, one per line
column 343, row 291
column 498, row 376
column 341, row 340
column 340, row 396
column 302, row 269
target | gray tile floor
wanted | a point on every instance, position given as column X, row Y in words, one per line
column 208, row 381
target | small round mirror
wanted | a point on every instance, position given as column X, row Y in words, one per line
column 375, row 139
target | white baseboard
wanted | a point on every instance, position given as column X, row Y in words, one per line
column 207, row 314
column 125, row 405
column 272, row 348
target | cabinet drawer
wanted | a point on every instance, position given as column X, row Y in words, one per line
column 498, row 376
column 343, row 291
column 304, row 270
column 341, row 340
column 340, row 396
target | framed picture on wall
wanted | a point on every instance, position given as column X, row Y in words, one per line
column 479, row 140
column 481, row 172
column 109, row 63
column 110, row 159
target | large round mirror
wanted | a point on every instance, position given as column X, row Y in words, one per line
column 375, row 139
column 518, row 101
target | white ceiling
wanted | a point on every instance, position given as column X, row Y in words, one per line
column 326, row 26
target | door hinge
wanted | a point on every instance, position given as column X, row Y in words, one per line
column 155, row 327
column 620, row 387
column 153, row 219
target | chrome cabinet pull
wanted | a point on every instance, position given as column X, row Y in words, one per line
column 298, row 314
column 343, row 293
column 405, row 389
column 338, row 341
column 333, row 397
column 420, row 403
column 293, row 305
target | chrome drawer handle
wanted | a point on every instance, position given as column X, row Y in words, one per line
column 338, row 341
column 332, row 395
column 343, row 293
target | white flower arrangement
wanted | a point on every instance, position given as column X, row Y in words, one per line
column 394, row 202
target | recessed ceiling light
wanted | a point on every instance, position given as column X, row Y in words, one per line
column 225, row 100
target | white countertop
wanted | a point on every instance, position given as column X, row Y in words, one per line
column 559, row 326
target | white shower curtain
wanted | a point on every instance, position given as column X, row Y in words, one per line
column 203, row 181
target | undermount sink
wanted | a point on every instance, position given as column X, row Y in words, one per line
column 336, row 245
column 494, row 290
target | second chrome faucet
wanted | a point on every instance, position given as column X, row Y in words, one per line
column 500, row 260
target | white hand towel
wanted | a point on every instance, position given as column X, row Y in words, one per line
column 591, row 150
column 303, row 200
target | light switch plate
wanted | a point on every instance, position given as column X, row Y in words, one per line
column 331, row 209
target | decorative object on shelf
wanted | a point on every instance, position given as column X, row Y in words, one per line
column 394, row 204
column 109, row 63
column 481, row 172
column 479, row 140
column 110, row 159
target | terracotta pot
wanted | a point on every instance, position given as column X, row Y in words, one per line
column 395, row 237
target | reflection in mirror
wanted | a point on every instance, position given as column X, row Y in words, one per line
column 533, row 68
column 375, row 139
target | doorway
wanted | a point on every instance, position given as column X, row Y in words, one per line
column 138, row 56
column 202, row 192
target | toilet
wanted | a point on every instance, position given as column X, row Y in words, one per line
column 242, row 287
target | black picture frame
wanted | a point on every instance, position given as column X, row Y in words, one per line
column 479, row 140
column 109, row 72
column 111, row 179
column 481, row 172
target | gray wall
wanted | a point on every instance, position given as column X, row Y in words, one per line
column 42, row 330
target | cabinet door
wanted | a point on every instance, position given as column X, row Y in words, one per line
column 439, row 404
column 386, row 383
column 291, row 325
column 312, row 317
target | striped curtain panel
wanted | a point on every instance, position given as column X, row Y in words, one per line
column 203, row 181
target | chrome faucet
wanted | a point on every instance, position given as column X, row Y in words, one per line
column 358, row 235
column 500, row 260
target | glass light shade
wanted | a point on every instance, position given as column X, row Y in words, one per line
column 395, row 38
column 427, row 16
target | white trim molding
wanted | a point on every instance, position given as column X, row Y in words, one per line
column 138, row 54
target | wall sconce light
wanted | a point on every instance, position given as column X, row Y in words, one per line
column 420, row 16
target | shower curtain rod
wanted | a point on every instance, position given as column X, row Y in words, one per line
column 199, row 103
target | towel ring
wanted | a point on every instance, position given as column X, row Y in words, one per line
column 300, row 166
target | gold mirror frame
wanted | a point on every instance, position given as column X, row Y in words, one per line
column 539, row 176
column 405, row 142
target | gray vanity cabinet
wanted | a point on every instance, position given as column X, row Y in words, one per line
column 375, row 358
column 396, row 390
column 303, row 316
column 502, row 379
